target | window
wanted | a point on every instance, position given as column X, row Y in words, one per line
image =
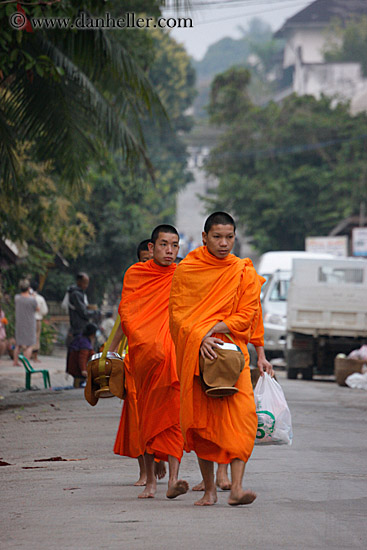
column 340, row 275
column 280, row 292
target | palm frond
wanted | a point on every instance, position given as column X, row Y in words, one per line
column 97, row 55
column 66, row 119
column 9, row 163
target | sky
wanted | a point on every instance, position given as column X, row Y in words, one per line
column 215, row 19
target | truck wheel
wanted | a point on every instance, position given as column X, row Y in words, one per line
column 292, row 373
column 307, row 373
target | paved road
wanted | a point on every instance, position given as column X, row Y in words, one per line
column 311, row 495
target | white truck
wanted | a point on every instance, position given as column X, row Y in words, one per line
column 276, row 267
column 326, row 313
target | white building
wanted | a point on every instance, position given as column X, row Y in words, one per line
column 304, row 68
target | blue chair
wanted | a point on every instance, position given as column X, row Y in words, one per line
column 29, row 370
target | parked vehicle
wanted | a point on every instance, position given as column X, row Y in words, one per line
column 326, row 313
column 274, row 304
column 276, row 267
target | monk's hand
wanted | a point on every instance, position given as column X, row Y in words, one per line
column 264, row 366
column 208, row 345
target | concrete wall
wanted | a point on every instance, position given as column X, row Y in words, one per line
column 332, row 79
column 309, row 42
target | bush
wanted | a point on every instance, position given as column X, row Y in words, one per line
column 48, row 337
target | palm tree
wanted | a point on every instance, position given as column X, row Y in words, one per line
column 66, row 91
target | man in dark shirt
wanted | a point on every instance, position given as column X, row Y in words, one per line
column 79, row 313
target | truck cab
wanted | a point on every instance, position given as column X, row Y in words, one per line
column 326, row 313
column 276, row 267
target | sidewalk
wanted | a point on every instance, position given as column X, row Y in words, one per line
column 12, row 379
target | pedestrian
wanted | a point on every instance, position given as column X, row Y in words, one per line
column 215, row 293
column 40, row 314
column 76, row 302
column 80, row 350
column 25, row 321
column 127, row 441
column 144, row 316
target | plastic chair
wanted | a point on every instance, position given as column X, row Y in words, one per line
column 29, row 370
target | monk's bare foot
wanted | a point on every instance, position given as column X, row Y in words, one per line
column 141, row 481
column 179, row 487
column 209, row 499
column 160, row 469
column 199, row 487
column 223, row 483
column 149, row 491
column 240, row 496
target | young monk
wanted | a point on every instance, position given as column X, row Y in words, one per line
column 127, row 438
column 213, row 294
column 144, row 316
column 222, row 480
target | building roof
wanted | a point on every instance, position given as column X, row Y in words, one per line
column 321, row 12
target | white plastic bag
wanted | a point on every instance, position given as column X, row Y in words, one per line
column 357, row 380
column 274, row 417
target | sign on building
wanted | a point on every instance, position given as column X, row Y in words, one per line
column 338, row 246
column 359, row 241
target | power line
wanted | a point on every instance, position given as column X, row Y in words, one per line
column 233, row 4
column 209, row 6
column 242, row 14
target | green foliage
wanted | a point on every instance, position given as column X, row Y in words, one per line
column 45, row 217
column 48, row 337
column 348, row 43
column 229, row 96
column 221, row 55
column 254, row 50
column 67, row 90
column 125, row 207
column 291, row 170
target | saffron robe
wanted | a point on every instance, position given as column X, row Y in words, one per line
column 206, row 290
column 144, row 316
column 127, row 438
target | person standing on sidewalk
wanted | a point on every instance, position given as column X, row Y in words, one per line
column 40, row 314
column 25, row 321
column 76, row 302
column 80, row 350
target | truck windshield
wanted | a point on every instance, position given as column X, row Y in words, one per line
column 279, row 292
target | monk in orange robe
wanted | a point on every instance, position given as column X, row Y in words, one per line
column 144, row 317
column 213, row 294
column 257, row 340
column 127, row 438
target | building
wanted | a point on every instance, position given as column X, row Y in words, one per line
column 304, row 69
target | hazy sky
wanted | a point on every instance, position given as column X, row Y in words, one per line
column 215, row 19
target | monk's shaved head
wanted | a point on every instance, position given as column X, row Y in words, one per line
column 162, row 229
column 142, row 247
column 219, row 218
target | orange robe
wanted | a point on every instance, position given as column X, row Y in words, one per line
column 144, row 315
column 127, row 438
column 257, row 329
column 206, row 290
